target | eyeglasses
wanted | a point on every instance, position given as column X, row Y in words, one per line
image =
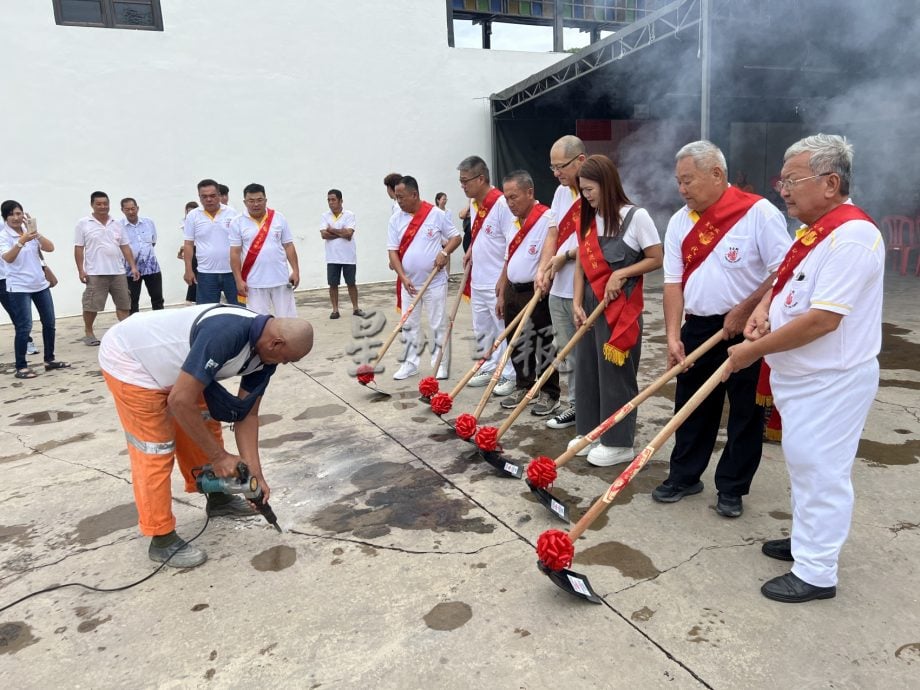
column 787, row 184
column 557, row 168
column 466, row 180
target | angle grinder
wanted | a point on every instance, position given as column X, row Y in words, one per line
column 243, row 483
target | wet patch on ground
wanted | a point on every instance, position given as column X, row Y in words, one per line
column 274, row 559
column 266, row 419
column 51, row 445
column 448, row 616
column 91, row 624
column 629, row 561
column 780, row 515
column 909, row 653
column 899, row 383
column 398, row 496
column 13, row 458
column 91, row 528
column 20, row 535
column 15, row 636
column 293, row 437
column 46, row 417
column 642, row 615
column 898, row 352
column 905, row 453
column 320, row 412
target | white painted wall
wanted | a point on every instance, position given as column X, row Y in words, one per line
column 299, row 95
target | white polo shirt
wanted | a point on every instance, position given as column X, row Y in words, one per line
column 522, row 267
column 271, row 266
column 24, row 273
column 419, row 259
column 489, row 248
column 563, row 283
column 101, row 246
column 641, row 233
column 340, row 250
column 844, row 275
column 739, row 263
column 211, row 237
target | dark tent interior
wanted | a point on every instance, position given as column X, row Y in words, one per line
column 779, row 70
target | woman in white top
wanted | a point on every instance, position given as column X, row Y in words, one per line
column 628, row 241
column 26, row 284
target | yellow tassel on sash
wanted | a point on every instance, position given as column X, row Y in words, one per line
column 763, row 400
column 615, row 355
column 773, row 434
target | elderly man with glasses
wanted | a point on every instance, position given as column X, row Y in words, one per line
column 819, row 331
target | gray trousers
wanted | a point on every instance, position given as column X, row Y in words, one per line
column 560, row 311
column 604, row 387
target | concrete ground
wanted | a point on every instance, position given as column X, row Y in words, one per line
column 405, row 563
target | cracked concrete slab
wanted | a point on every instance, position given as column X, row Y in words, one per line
column 408, row 562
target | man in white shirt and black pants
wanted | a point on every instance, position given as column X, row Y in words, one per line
column 720, row 254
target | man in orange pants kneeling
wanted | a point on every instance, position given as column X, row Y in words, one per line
column 163, row 369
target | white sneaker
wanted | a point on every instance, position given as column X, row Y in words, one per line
column 442, row 372
column 503, row 387
column 31, row 349
column 481, row 379
column 584, row 451
column 604, row 456
column 405, row 371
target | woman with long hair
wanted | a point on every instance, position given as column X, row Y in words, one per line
column 20, row 247
column 618, row 244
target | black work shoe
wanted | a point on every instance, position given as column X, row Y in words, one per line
column 236, row 507
column 791, row 589
column 670, row 493
column 729, row 506
column 780, row 549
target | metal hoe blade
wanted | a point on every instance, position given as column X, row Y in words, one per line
column 376, row 390
column 506, row 467
column 556, row 507
column 575, row 584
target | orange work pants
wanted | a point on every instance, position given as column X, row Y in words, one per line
column 154, row 439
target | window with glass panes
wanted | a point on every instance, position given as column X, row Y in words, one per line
column 112, row 14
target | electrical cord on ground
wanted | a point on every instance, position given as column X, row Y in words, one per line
column 162, row 565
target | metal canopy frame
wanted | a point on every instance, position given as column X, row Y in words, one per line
column 663, row 23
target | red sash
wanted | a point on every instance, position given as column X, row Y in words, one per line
column 411, row 231
column 492, row 196
column 536, row 213
column 622, row 314
column 570, row 223
column 712, row 226
column 804, row 243
column 257, row 242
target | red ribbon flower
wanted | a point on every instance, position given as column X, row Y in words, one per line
column 441, row 404
column 365, row 374
column 428, row 386
column 465, row 426
column 541, row 472
column 555, row 549
column 487, row 438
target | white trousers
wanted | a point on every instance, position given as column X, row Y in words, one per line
column 823, row 418
column 433, row 303
column 275, row 300
column 486, row 328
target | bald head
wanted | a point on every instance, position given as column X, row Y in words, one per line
column 285, row 340
column 565, row 159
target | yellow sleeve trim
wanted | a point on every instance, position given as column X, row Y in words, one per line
column 848, row 307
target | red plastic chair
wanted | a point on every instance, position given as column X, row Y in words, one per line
column 900, row 238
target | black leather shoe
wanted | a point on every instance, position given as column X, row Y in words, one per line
column 790, row 589
column 729, row 506
column 672, row 493
column 780, row 549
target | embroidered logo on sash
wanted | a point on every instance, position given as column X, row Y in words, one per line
column 808, row 238
column 733, row 255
